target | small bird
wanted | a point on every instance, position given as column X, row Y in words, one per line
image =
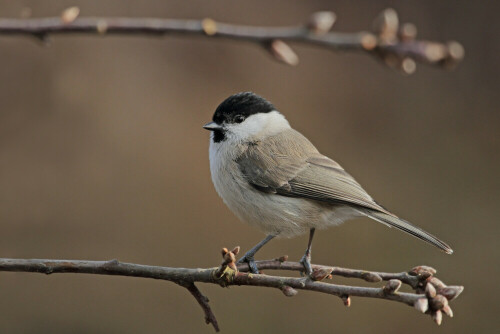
column 273, row 178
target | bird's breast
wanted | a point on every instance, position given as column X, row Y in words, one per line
column 226, row 176
column 271, row 213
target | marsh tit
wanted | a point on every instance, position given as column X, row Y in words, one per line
column 273, row 178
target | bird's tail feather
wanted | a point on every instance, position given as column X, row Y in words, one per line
column 403, row 225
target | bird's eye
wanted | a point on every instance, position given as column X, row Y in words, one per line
column 239, row 118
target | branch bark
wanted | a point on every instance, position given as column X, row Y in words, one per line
column 396, row 45
column 419, row 279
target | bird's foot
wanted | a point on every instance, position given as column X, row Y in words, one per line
column 306, row 262
column 249, row 259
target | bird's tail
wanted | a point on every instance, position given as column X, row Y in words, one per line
column 403, row 225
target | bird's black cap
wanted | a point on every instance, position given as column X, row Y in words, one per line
column 239, row 106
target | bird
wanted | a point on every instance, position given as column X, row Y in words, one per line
column 273, row 178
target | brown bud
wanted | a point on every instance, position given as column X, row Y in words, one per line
column 321, row 22
column 450, row 292
column 371, row 277
column 320, row 274
column 436, row 282
column 435, row 52
column 408, row 66
column 437, row 317
column 386, row 24
column 425, row 275
column 102, row 27
column 347, row 300
column 368, row 41
column 288, row 291
column 438, row 302
column 420, row 269
column 408, row 32
column 236, row 250
column 422, row 305
column 392, row 286
column 209, row 26
column 447, row 310
column 456, row 53
column 229, row 258
column 283, row 258
column 70, row 14
column 283, row 52
column 430, row 291
column 456, row 50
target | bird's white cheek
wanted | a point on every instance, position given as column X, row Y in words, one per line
column 258, row 125
column 243, row 131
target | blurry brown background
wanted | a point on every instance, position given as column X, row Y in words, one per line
column 102, row 156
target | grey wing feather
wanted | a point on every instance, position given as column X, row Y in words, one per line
column 321, row 181
column 289, row 165
column 409, row 228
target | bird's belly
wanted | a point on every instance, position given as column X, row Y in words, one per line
column 276, row 214
column 271, row 213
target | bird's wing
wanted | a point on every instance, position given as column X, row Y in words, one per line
column 288, row 164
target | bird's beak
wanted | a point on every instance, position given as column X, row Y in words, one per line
column 212, row 126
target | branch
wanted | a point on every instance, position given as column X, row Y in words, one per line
column 431, row 295
column 396, row 45
column 203, row 301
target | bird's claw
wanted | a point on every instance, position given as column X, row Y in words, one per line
column 251, row 263
column 306, row 262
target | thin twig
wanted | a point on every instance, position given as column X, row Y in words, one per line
column 203, row 301
column 395, row 45
column 419, row 278
column 369, row 276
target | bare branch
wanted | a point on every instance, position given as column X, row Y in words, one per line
column 431, row 295
column 203, row 301
column 396, row 46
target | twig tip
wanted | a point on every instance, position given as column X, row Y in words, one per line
column 209, row 26
column 437, row 317
column 321, row 22
column 288, row 291
column 70, row 14
column 283, row 52
column 346, row 300
column 422, row 305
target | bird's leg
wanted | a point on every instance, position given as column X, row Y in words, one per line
column 249, row 256
column 306, row 259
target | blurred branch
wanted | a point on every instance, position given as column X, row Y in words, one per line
column 391, row 42
column 430, row 295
